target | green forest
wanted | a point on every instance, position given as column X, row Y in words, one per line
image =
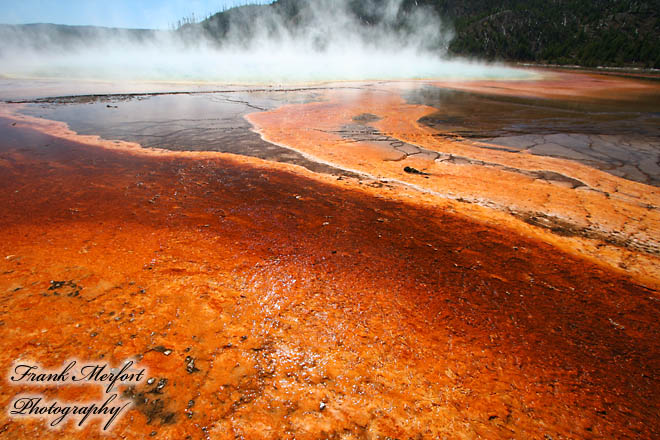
column 567, row 32
column 587, row 33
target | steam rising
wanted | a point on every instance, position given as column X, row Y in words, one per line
column 292, row 41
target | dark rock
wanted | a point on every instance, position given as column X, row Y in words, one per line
column 56, row 284
column 161, row 349
column 190, row 365
column 411, row 170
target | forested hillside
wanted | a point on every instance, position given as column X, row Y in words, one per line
column 574, row 32
column 589, row 33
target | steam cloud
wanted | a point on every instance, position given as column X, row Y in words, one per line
column 317, row 40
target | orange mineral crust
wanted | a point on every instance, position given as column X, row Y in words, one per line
column 562, row 195
column 266, row 304
column 561, row 84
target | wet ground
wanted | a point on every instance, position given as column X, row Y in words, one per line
column 212, row 121
column 376, row 131
column 271, row 301
column 619, row 137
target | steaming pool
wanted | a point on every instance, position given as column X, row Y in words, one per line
column 618, row 136
column 374, row 258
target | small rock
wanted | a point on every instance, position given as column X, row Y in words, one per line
column 190, row 365
column 161, row 349
column 161, row 384
column 411, row 170
column 616, row 324
column 56, row 284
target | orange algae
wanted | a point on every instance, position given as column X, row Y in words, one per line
column 313, row 307
column 310, row 310
column 583, row 201
column 555, row 84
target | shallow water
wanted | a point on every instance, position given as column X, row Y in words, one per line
column 183, row 122
column 619, row 137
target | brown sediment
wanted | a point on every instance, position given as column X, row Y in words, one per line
column 310, row 307
column 614, row 221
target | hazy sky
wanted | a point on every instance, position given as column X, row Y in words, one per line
column 113, row 13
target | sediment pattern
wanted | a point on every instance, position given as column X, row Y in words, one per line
column 268, row 301
column 374, row 131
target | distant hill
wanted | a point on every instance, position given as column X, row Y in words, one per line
column 576, row 32
column 54, row 37
column 582, row 32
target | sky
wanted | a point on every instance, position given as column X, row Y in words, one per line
column 143, row 14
